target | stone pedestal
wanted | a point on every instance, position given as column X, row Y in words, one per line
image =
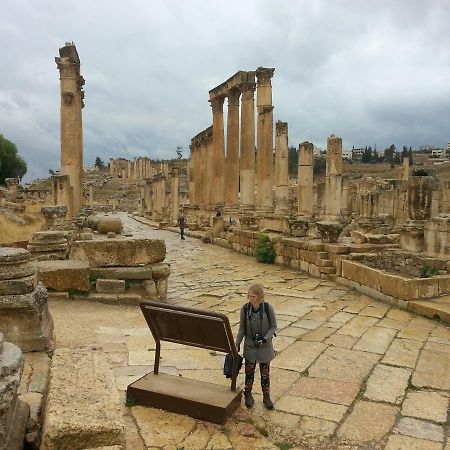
column 412, row 236
column 436, row 235
column 13, row 412
column 329, row 231
column 48, row 245
column 55, row 217
column 26, row 321
column 420, row 191
column 248, row 221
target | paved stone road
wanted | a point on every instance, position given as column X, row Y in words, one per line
column 350, row 373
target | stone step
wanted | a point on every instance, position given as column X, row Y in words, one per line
column 85, row 412
column 106, row 286
column 438, row 308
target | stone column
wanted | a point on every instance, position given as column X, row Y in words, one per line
column 232, row 158
column 203, row 178
column 405, row 169
column 247, row 157
column 71, row 120
column 209, row 170
column 218, row 192
column 281, row 169
column 191, row 176
column 174, row 182
column 91, row 196
column 264, row 155
column 333, row 182
column 306, row 180
column 197, row 178
column 62, row 192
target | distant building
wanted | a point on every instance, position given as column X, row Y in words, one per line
column 357, row 153
column 317, row 151
column 347, row 154
column 438, row 153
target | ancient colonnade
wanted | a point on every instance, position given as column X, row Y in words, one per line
column 138, row 169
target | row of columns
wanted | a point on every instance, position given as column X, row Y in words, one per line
column 139, row 169
column 235, row 172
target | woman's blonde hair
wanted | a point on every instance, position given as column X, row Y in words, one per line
column 257, row 289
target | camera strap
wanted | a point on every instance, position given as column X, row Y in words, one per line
column 248, row 310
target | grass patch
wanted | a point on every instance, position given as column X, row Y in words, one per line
column 428, row 271
column 130, row 401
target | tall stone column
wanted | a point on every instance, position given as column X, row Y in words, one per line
column 305, row 180
column 281, row 169
column 209, row 170
column 218, row 152
column 198, row 180
column 264, row 155
column 71, row 83
column 203, row 159
column 191, row 177
column 333, row 182
column 174, row 185
column 232, row 158
column 247, row 157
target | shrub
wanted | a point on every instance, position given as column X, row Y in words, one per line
column 427, row 271
column 264, row 250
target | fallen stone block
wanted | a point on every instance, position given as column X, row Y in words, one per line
column 83, row 407
column 109, row 224
column 63, row 275
column 119, row 252
column 122, row 273
column 110, row 286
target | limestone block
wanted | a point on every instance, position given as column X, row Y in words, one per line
column 122, row 273
column 110, row 286
column 47, row 247
column 161, row 287
column 18, row 285
column 26, row 320
column 160, row 270
column 109, row 224
column 119, row 252
column 83, row 407
column 86, row 236
column 357, row 237
column 49, row 237
column 376, row 238
column 63, row 275
column 150, row 288
column 12, row 415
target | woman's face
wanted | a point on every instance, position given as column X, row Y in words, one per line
column 254, row 299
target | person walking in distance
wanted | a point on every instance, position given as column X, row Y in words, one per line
column 182, row 225
column 257, row 326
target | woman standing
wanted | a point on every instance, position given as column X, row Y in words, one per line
column 258, row 325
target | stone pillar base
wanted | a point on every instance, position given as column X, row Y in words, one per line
column 412, row 236
column 329, row 231
column 299, row 227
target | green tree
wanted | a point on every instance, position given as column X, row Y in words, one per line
column 320, row 166
column 11, row 164
column 99, row 163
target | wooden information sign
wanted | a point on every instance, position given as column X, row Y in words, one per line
column 197, row 328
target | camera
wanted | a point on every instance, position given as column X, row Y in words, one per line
column 258, row 339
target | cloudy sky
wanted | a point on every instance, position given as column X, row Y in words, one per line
column 372, row 72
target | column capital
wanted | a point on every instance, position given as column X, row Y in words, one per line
column 263, row 75
column 233, row 97
column 281, row 128
column 247, row 90
column 217, row 104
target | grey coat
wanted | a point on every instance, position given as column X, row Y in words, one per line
column 267, row 328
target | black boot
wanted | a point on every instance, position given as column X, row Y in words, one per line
column 267, row 401
column 248, row 399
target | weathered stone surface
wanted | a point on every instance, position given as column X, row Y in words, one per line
column 426, row 405
column 343, row 364
column 299, row 355
column 12, row 270
column 63, row 275
column 438, row 377
column 403, row 353
column 368, row 422
column 122, row 273
column 387, row 384
column 375, row 340
column 110, row 286
column 357, row 326
column 160, row 270
column 10, row 372
column 83, row 407
column 150, row 288
column 309, row 407
column 398, row 442
column 420, row 429
column 327, row 390
column 10, row 255
column 109, row 224
column 18, row 286
column 160, row 428
column 119, row 252
column 49, row 237
column 26, row 321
